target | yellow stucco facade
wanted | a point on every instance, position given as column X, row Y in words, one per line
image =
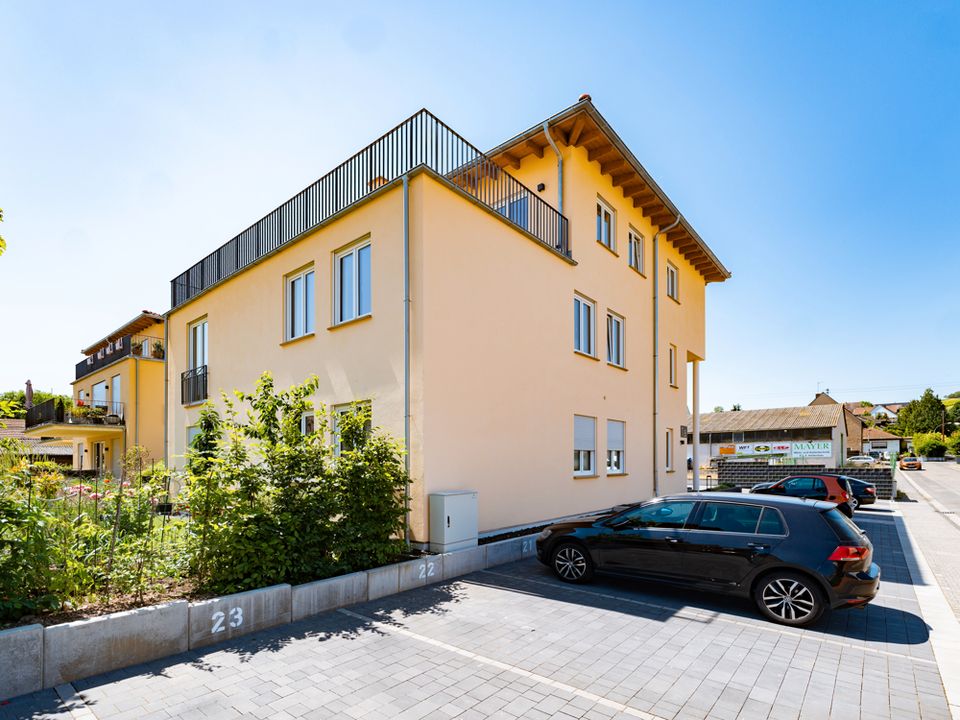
column 495, row 379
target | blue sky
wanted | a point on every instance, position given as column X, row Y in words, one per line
column 815, row 146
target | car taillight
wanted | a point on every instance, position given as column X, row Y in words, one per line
column 871, row 491
column 848, row 552
column 844, row 496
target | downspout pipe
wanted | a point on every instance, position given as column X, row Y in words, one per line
column 656, row 350
column 166, row 392
column 406, row 355
column 546, row 131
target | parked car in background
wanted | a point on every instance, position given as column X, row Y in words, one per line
column 861, row 460
column 865, row 492
column 910, row 463
column 832, row 488
column 794, row 558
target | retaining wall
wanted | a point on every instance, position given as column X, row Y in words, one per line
column 746, row 475
column 33, row 657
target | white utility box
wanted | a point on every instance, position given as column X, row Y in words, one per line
column 453, row 520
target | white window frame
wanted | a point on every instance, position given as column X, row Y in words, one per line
column 636, row 249
column 668, row 457
column 339, row 410
column 303, row 422
column 585, row 459
column 298, row 326
column 192, row 432
column 617, row 457
column 616, row 339
column 193, row 357
column 583, row 335
column 339, row 318
column 672, row 356
column 673, row 281
column 603, row 207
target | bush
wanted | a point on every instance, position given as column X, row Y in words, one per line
column 272, row 505
column 953, row 443
column 929, row 445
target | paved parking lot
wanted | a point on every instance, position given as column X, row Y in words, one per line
column 515, row 643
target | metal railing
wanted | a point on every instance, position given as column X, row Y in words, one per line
column 421, row 140
column 193, row 385
column 129, row 345
column 99, row 412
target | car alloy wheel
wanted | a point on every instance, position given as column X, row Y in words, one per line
column 790, row 599
column 572, row 564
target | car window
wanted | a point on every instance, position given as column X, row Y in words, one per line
column 729, row 517
column 800, row 484
column 818, row 485
column 671, row 514
column 771, row 523
column 842, row 526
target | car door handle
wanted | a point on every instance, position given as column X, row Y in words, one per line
column 672, row 540
column 758, row 546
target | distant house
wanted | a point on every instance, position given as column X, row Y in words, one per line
column 35, row 448
column 886, row 412
column 876, row 439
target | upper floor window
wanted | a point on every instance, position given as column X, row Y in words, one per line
column 668, row 454
column 197, row 344
column 673, row 365
column 615, row 337
column 352, row 283
column 299, row 305
column 673, row 281
column 636, row 251
column 583, row 314
column 605, row 226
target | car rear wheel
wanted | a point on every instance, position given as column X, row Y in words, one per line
column 571, row 563
column 789, row 599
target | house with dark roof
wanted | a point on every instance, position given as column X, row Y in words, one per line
column 35, row 448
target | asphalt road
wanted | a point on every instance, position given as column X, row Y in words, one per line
column 941, row 481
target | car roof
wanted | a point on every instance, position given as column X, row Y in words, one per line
column 754, row 499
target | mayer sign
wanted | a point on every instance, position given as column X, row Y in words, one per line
column 814, row 449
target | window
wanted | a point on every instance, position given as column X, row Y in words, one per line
column 668, row 456
column 299, row 305
column 82, row 397
column 308, row 423
column 352, row 284
column 192, row 432
column 584, row 444
column 729, row 517
column 583, row 311
column 516, row 210
column 636, row 251
column 669, row 515
column 615, row 339
column 197, row 344
column 615, row 445
column 339, row 412
column 673, row 365
column 100, row 394
column 771, row 523
column 673, row 282
column 605, row 226
column 116, row 392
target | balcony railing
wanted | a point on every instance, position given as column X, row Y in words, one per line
column 193, row 386
column 421, row 140
column 92, row 413
column 129, row 345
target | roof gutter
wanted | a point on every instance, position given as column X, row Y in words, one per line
column 656, row 349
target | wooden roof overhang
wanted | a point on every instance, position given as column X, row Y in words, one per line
column 141, row 322
column 582, row 125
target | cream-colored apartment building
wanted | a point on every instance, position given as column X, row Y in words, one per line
column 500, row 311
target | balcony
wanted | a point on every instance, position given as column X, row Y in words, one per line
column 54, row 412
column 193, row 386
column 421, row 141
column 127, row 346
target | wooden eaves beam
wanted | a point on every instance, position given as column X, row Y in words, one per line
column 601, row 152
column 576, row 130
column 535, row 148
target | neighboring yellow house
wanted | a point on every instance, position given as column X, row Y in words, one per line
column 501, row 313
column 117, row 399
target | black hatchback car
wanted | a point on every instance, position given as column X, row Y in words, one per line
column 795, row 558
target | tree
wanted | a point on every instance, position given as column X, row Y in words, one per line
column 955, row 394
column 718, row 408
column 929, row 444
column 736, row 408
column 921, row 416
column 953, row 443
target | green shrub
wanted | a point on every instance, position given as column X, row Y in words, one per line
column 929, row 444
column 953, row 443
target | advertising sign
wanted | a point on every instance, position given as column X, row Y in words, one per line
column 763, row 448
column 813, row 449
column 728, row 449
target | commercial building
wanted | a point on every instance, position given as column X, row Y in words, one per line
column 117, row 399
column 522, row 319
